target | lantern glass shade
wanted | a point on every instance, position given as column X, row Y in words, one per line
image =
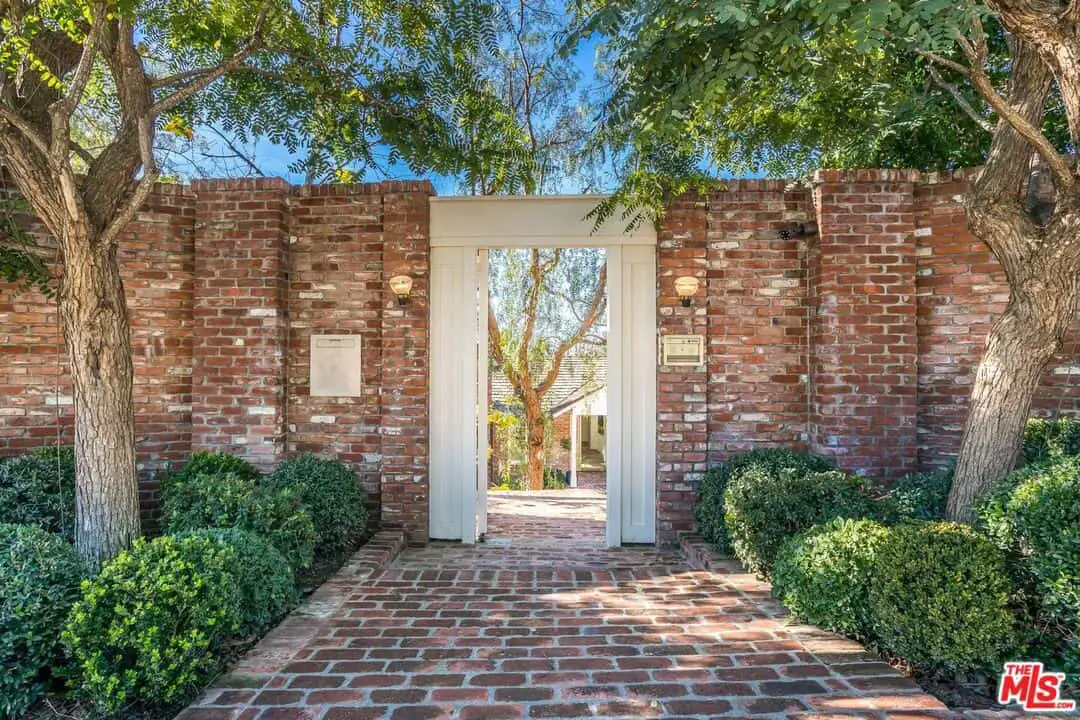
column 686, row 287
column 402, row 286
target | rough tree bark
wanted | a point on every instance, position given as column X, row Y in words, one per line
column 98, row 337
column 518, row 371
column 535, row 429
column 87, row 215
column 1040, row 255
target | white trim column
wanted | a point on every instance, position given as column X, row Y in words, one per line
column 574, row 449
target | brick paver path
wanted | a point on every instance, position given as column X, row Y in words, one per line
column 592, row 480
column 547, row 517
column 527, row 631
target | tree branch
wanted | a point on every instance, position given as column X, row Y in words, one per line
column 595, row 308
column 60, row 112
column 976, row 53
column 1072, row 12
column 208, row 75
column 142, row 187
column 536, row 272
column 996, row 203
column 82, row 152
column 32, row 136
column 495, row 346
column 236, row 151
column 962, row 101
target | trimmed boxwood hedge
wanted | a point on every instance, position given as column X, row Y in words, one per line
column 764, row 507
column 215, row 463
column 234, row 501
column 150, row 627
column 917, row 496
column 940, row 597
column 824, row 574
column 39, row 581
column 332, row 494
column 1051, row 439
column 39, row 489
column 709, row 508
column 262, row 575
column 1034, row 516
column 1035, row 512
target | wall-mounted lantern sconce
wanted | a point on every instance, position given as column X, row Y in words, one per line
column 686, row 287
column 402, row 287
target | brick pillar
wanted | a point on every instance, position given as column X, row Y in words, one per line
column 864, row 349
column 404, row 399
column 682, row 434
column 240, row 324
column 757, row 318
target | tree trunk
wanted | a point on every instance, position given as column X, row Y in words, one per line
column 534, row 426
column 98, row 336
column 1019, row 346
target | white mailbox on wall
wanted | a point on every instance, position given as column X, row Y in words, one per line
column 335, row 366
column 682, row 350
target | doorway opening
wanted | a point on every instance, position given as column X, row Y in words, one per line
column 465, row 231
column 547, row 396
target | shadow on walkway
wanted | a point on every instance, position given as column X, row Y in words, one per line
column 547, row 518
column 470, row 632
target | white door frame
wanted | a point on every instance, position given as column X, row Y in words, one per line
column 462, row 230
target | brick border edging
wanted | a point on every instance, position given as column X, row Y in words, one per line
column 275, row 649
column 700, row 556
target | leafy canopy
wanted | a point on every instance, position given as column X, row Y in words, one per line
column 332, row 80
column 782, row 87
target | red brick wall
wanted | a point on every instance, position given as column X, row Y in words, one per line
column 403, row 419
column 226, row 280
column 682, row 429
column 863, row 348
column 35, row 385
column 961, row 291
column 241, row 279
column 757, row 318
column 858, row 342
column 336, row 287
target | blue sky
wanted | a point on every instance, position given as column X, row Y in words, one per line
column 274, row 159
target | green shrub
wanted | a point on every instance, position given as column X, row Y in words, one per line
column 1034, row 513
column 940, row 597
column 209, row 463
column 262, row 575
column 39, row 489
column 823, row 575
column 150, row 627
column 39, row 580
column 1050, row 439
column 555, row 479
column 231, row 501
column 918, row 496
column 763, row 508
column 332, row 494
column 709, row 508
column 218, row 463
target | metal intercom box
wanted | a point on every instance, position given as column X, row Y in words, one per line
column 335, row 366
column 682, row 350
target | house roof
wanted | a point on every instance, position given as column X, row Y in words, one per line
column 590, row 396
column 578, row 377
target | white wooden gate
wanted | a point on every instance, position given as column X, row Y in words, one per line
column 462, row 229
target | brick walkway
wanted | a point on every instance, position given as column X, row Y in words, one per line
column 547, row 517
column 592, row 480
column 449, row 631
